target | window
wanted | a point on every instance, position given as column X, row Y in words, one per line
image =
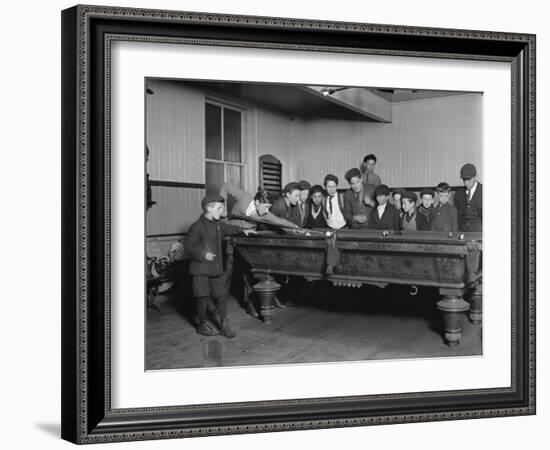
column 223, row 146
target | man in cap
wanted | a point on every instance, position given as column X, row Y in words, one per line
column 468, row 200
column 356, row 211
column 315, row 217
column 444, row 214
column 412, row 219
column 286, row 206
column 333, row 206
column 204, row 247
column 384, row 216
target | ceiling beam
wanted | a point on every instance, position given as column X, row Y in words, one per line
column 359, row 100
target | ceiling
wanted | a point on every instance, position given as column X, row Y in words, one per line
column 308, row 102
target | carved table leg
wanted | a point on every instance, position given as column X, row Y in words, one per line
column 452, row 305
column 266, row 290
column 476, row 305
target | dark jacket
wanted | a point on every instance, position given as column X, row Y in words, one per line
column 444, row 218
column 427, row 213
column 204, row 236
column 311, row 222
column 279, row 208
column 354, row 205
column 422, row 223
column 303, row 215
column 469, row 211
column 390, row 220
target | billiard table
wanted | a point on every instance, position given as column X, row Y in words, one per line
column 450, row 262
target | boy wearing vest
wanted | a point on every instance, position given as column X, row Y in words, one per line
column 332, row 205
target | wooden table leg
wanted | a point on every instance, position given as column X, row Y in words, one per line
column 453, row 306
column 476, row 301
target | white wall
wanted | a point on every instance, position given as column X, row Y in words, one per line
column 30, row 323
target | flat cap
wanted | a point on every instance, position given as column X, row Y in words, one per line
column 331, row 177
column 292, row 186
column 352, row 173
column 409, row 195
column 468, row 171
column 315, row 189
column 211, row 198
column 382, row 190
column 304, row 184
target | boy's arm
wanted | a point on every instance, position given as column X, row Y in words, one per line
column 273, row 219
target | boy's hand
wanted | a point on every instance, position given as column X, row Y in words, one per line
column 210, row 256
column 247, row 232
column 361, row 218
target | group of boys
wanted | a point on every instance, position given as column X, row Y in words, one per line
column 365, row 205
column 373, row 205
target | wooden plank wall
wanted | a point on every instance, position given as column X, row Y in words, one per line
column 427, row 142
column 175, row 132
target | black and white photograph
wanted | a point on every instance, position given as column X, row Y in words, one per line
column 297, row 224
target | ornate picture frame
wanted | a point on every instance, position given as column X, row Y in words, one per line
column 87, row 413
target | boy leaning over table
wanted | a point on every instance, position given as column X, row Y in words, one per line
column 204, row 247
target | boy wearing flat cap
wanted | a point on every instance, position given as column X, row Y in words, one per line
column 333, row 206
column 204, row 247
column 384, row 216
column 286, row 206
column 444, row 215
column 412, row 219
column 468, row 200
column 356, row 211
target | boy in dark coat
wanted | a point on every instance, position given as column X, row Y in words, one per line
column 384, row 216
column 426, row 206
column 204, row 247
column 444, row 215
column 286, row 206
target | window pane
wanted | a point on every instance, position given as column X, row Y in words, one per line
column 213, row 177
column 213, row 127
column 234, row 175
column 232, row 135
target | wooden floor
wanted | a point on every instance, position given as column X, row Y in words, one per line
column 341, row 325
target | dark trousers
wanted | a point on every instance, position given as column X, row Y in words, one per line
column 211, row 295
